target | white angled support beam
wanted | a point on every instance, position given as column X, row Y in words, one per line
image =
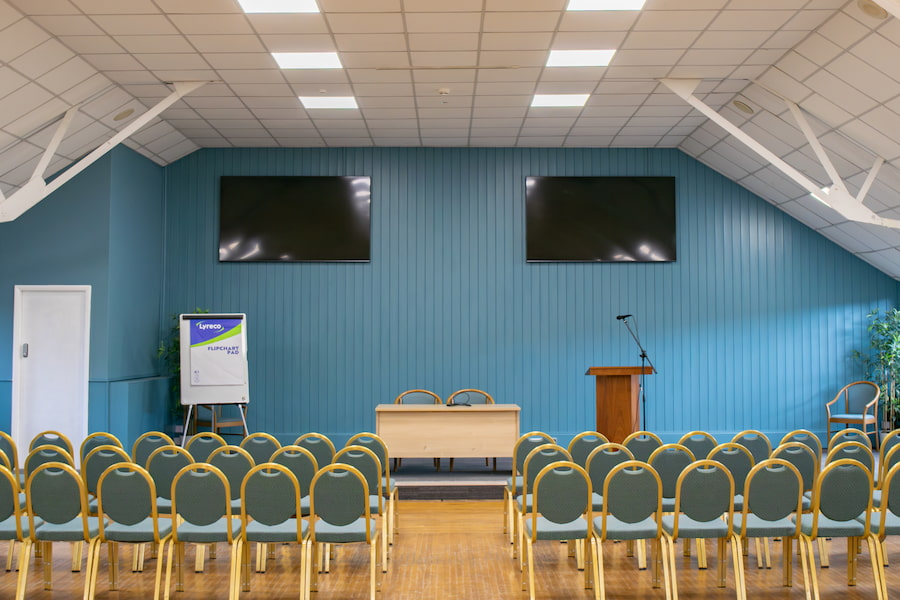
column 837, row 197
column 37, row 189
column 892, row 6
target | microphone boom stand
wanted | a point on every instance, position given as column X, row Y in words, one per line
column 644, row 361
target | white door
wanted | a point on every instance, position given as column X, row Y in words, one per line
column 51, row 340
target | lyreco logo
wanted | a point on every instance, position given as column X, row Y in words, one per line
column 209, row 326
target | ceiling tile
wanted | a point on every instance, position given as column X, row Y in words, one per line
column 227, row 43
column 309, row 42
column 60, row 25
column 366, row 23
column 141, row 44
column 19, row 38
column 361, row 5
column 377, row 42
column 290, row 24
column 91, row 44
column 520, row 21
column 673, row 20
column 133, row 25
column 415, row 6
column 43, row 58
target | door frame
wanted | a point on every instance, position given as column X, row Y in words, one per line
column 17, row 412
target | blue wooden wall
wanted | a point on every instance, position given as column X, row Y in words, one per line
column 752, row 327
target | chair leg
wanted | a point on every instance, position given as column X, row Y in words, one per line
column 807, row 560
column 77, row 552
column 877, row 560
column 22, row 580
column 721, row 561
column 787, row 560
column 112, row 549
column 740, row 579
column 373, row 567
column 823, row 553
column 599, row 585
column 47, row 558
column 161, row 553
column 851, row 561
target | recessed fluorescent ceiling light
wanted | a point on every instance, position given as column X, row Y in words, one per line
column 307, row 60
column 559, row 99
column 580, row 58
column 328, row 101
column 279, row 6
column 605, row 5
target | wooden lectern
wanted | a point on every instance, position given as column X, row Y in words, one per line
column 618, row 411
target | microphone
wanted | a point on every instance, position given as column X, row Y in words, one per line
column 620, row 317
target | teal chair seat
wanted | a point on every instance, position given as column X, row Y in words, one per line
column 164, row 506
column 596, row 501
column 330, row 533
column 693, row 529
column 616, row 529
column 140, row 532
column 70, row 531
column 892, row 524
column 831, row 528
column 548, row 530
column 275, row 534
column 304, row 506
column 526, row 500
column 758, row 527
column 217, row 531
column 8, row 527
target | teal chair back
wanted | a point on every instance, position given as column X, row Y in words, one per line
column 849, row 434
column 889, row 511
column 562, row 493
column 339, row 497
column 539, row 458
column 468, row 397
column 854, row 451
column 203, row 443
column 366, row 462
column 320, row 446
column 97, row 461
column 144, row 446
column 52, row 438
column 774, row 491
column 642, row 444
column 270, row 494
column 804, row 436
column 737, row 459
column 524, row 445
column 756, row 442
column 127, row 496
column 100, row 438
column 163, row 464
column 56, row 495
column 631, row 494
column 602, row 460
column 700, row 443
column 300, row 462
column 669, row 460
column 9, row 503
column 261, row 446
column 583, row 444
column 887, row 443
column 842, row 492
column 46, row 454
column 418, row 397
column 234, row 462
column 705, row 493
column 200, row 495
column 375, row 444
column 801, row 456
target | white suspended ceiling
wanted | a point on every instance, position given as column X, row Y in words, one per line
column 463, row 73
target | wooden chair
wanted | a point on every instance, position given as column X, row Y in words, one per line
column 860, row 407
column 418, row 397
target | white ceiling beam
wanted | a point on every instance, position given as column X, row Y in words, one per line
column 892, row 6
column 837, row 197
column 36, row 189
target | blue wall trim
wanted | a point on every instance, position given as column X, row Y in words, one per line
column 751, row 327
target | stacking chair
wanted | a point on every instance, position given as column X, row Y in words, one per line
column 525, row 444
column 583, row 444
column 561, row 511
column 669, row 460
column 56, row 496
column 270, row 514
column 201, row 510
column 843, row 492
column 388, row 486
column 320, row 446
column 468, row 397
column 45, row 454
column 417, row 397
column 126, row 496
column 849, row 435
column 52, row 438
column 100, row 438
column 886, row 521
column 261, row 446
column 704, row 509
column 739, row 461
column 887, row 443
column 887, row 462
column 302, row 464
column 599, row 463
column 642, row 444
column 632, row 507
column 700, row 443
column 366, row 462
column 94, row 464
column 234, row 462
column 859, row 407
column 14, row 525
column 852, row 450
column 774, row 492
column 536, row 460
column 8, row 447
column 145, row 445
column 801, row 456
column 756, row 442
column 163, row 464
column 807, row 437
column 203, row 443
column 339, row 507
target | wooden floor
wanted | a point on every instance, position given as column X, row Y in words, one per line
column 456, row 550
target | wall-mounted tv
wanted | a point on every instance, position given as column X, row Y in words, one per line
column 294, row 219
column 600, row 219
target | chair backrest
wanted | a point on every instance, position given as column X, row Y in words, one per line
column 200, row 496
column 525, row 444
column 100, row 438
column 889, row 441
column 55, row 494
column 261, row 446
column 8, row 447
column 9, row 500
column 669, row 460
column 203, row 443
column 632, row 493
column 235, row 463
column 469, row 396
column 145, row 445
column 339, row 496
column 539, row 458
column 127, row 496
column 51, row 438
column 737, row 459
column 803, row 458
column 756, row 442
column 700, row 443
column 856, row 396
column 4, row 461
column 418, row 397
column 45, row 454
column 376, row 445
column 842, row 492
column 270, row 494
column 804, row 436
column 562, row 494
column 301, row 463
column 602, row 460
column 97, row 461
column 890, row 498
column 163, row 464
column 774, row 491
column 705, row 493
column 850, row 434
column 320, row 446
column 642, row 444
column 853, row 451
column 887, row 462
column 583, row 444
column 366, row 462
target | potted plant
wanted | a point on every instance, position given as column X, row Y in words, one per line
column 170, row 352
column 882, row 361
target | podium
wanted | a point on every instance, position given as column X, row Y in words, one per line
column 618, row 412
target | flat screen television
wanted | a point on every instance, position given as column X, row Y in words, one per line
column 295, row 219
column 600, row 219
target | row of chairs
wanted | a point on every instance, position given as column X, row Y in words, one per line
column 165, row 464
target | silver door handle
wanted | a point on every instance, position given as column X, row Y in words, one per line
column 24, row 350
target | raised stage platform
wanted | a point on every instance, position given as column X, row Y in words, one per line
column 470, row 479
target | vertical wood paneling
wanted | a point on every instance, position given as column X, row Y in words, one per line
column 751, row 327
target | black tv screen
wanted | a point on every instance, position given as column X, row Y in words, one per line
column 294, row 219
column 600, row 219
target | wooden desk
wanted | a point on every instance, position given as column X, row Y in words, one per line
column 439, row 431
